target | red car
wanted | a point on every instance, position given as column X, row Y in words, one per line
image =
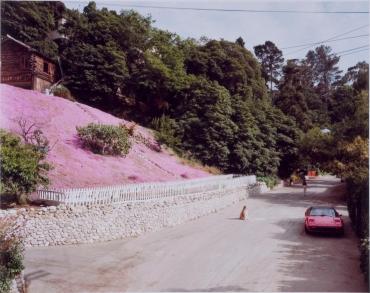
column 322, row 220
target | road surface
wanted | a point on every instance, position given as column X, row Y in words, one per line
column 268, row 252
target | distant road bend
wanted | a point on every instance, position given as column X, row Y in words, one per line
column 267, row 252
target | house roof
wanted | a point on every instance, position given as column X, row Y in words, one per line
column 10, row 38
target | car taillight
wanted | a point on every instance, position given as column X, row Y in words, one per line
column 337, row 220
column 311, row 220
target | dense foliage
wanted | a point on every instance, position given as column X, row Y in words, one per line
column 22, row 166
column 105, row 139
column 212, row 93
column 270, row 181
column 11, row 257
column 63, row 92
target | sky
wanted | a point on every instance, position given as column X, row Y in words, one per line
column 284, row 29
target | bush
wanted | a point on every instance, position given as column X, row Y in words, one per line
column 11, row 258
column 358, row 209
column 166, row 131
column 364, row 258
column 270, row 181
column 105, row 139
column 63, row 92
column 22, row 169
column 130, row 129
column 358, row 204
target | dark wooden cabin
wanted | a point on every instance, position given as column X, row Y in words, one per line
column 24, row 67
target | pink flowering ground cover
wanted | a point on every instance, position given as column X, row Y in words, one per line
column 78, row 167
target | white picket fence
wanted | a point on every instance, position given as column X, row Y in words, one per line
column 145, row 191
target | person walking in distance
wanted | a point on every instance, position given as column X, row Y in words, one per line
column 243, row 214
column 304, row 183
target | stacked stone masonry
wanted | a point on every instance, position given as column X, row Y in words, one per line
column 63, row 225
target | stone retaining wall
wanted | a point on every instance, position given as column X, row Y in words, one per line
column 61, row 225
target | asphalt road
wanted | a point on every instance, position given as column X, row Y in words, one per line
column 268, row 252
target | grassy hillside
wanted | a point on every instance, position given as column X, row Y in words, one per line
column 78, row 167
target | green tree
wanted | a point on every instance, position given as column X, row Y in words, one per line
column 166, row 129
column 204, row 122
column 349, row 108
column 159, row 77
column 31, row 22
column 240, row 42
column 94, row 73
column 317, row 148
column 244, row 155
column 324, row 67
column 358, row 76
column 342, row 104
column 291, row 98
column 271, row 59
column 323, row 70
column 22, row 167
column 231, row 65
column 287, row 142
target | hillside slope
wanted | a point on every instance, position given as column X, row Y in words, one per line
column 78, row 167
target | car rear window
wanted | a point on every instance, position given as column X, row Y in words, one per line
column 322, row 212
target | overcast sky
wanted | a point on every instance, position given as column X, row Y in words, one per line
column 283, row 29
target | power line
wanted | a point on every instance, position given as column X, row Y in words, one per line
column 348, row 50
column 243, row 10
column 367, row 49
column 346, row 33
column 365, row 46
column 334, row 40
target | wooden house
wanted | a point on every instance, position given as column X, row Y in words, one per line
column 24, row 67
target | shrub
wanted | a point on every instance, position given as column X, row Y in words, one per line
column 22, row 167
column 63, row 92
column 364, row 258
column 11, row 257
column 166, row 131
column 105, row 139
column 131, row 129
column 270, row 181
column 358, row 208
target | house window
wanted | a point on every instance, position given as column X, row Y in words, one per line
column 46, row 67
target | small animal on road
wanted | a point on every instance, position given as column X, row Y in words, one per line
column 243, row 214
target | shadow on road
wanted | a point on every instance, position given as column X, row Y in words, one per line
column 334, row 194
column 316, row 262
column 38, row 274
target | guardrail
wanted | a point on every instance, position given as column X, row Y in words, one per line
column 145, row 191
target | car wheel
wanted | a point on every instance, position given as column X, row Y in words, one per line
column 341, row 233
column 306, row 230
